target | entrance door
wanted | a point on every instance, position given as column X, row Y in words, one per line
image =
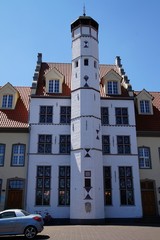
column 15, row 194
column 14, row 199
column 148, row 198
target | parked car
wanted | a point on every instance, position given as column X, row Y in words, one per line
column 18, row 222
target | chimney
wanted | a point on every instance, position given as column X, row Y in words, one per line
column 39, row 58
column 126, row 79
column 118, row 61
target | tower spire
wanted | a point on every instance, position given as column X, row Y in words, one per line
column 84, row 10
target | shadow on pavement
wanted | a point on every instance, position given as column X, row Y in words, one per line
column 145, row 221
column 38, row 237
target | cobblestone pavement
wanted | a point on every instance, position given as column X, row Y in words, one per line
column 100, row 233
column 97, row 232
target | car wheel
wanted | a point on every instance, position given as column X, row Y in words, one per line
column 30, row 232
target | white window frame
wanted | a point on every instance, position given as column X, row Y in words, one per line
column 145, row 106
column 18, row 157
column 112, row 87
column 145, row 158
column 54, row 86
column 2, row 153
column 7, row 101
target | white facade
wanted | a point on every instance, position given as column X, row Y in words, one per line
column 54, row 160
column 86, row 158
column 116, row 161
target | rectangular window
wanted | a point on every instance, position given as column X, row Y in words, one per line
column 46, row 114
column 95, row 64
column 159, row 153
column 144, row 157
column 76, row 64
column 65, row 144
column 43, row 185
column 123, row 145
column 86, row 62
column 104, row 115
column 87, row 182
column 65, row 115
column 121, row 116
column 126, row 186
column 107, row 186
column 64, row 185
column 0, row 188
column 53, row 86
column 2, row 154
column 7, row 101
column 18, row 155
column 16, row 184
column 144, row 106
column 112, row 88
column 45, row 144
column 87, row 179
column 87, row 173
column 105, row 144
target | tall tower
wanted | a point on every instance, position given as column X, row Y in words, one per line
column 87, row 195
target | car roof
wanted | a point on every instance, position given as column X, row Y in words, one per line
column 10, row 210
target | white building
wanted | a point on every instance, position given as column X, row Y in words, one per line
column 83, row 161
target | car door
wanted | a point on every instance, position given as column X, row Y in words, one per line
column 3, row 226
column 7, row 220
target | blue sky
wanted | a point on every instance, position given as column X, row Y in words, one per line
column 127, row 28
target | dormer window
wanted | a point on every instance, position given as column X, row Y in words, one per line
column 8, row 97
column 112, row 87
column 53, row 86
column 144, row 106
column 144, row 102
column 112, row 83
column 54, row 81
column 7, row 101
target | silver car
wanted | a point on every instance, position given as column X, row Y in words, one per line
column 18, row 222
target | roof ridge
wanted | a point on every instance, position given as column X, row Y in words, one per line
column 107, row 64
column 56, row 63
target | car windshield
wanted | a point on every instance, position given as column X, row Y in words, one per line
column 25, row 213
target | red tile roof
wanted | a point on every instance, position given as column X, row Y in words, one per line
column 150, row 123
column 144, row 122
column 18, row 117
column 66, row 70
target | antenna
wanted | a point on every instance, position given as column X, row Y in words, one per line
column 84, row 10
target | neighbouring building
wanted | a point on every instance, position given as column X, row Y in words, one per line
column 14, row 133
column 148, row 137
column 83, row 159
